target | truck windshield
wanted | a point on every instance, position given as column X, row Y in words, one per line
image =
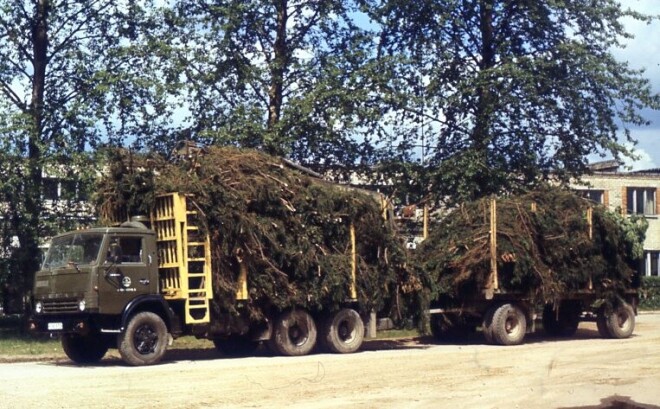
column 73, row 248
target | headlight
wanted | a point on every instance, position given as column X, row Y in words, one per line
column 38, row 307
column 81, row 305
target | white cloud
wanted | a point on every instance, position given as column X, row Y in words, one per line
column 643, row 160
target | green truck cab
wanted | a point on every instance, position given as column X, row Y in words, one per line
column 90, row 287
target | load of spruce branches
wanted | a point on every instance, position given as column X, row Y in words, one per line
column 546, row 247
column 290, row 229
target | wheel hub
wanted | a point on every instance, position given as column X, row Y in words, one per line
column 346, row 331
column 146, row 340
column 297, row 335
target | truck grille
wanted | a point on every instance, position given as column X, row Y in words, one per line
column 55, row 306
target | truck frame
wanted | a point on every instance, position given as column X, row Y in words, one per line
column 137, row 287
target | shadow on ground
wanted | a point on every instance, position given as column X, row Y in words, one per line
column 617, row 402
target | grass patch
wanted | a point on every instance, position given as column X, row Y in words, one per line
column 14, row 342
column 397, row 333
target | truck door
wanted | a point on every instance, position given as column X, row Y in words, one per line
column 125, row 272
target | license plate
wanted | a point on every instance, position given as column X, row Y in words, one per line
column 55, row 326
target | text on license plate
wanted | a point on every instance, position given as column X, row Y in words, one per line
column 54, row 326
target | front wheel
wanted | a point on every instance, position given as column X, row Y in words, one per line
column 294, row 333
column 144, row 341
column 343, row 331
column 86, row 349
column 509, row 325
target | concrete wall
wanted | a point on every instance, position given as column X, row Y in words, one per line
column 614, row 185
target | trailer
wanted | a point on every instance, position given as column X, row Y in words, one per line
column 505, row 315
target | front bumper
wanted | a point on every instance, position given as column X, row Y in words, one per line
column 80, row 323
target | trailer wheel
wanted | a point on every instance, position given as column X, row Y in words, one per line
column 562, row 323
column 620, row 323
column 144, row 341
column 236, row 345
column 294, row 333
column 343, row 331
column 509, row 325
column 86, row 349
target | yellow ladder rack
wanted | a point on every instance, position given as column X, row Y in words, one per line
column 184, row 256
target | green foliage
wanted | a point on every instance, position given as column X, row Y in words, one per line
column 72, row 76
column 544, row 248
column 290, row 230
column 649, row 293
column 290, row 77
column 510, row 92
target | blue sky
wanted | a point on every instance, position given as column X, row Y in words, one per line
column 643, row 51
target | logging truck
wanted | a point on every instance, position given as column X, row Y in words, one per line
column 138, row 286
column 506, row 316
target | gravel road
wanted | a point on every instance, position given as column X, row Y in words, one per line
column 585, row 371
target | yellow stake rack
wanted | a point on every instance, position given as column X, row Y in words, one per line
column 184, row 256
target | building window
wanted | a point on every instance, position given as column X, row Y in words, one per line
column 64, row 189
column 68, row 189
column 51, row 189
column 651, row 263
column 641, row 200
column 596, row 196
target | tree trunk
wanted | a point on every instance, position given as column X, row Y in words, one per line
column 278, row 68
column 28, row 257
column 485, row 98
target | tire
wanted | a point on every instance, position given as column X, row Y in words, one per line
column 87, row 349
column 343, row 331
column 144, row 341
column 294, row 333
column 236, row 346
column 562, row 323
column 509, row 325
column 487, row 325
column 620, row 323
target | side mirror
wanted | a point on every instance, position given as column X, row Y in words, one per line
column 114, row 253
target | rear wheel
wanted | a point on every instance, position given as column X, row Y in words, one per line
column 509, row 325
column 86, row 349
column 294, row 333
column 343, row 331
column 620, row 323
column 144, row 341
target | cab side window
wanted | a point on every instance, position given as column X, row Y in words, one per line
column 131, row 249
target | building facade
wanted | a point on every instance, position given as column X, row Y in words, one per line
column 629, row 193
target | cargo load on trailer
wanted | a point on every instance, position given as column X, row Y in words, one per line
column 495, row 263
column 289, row 231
